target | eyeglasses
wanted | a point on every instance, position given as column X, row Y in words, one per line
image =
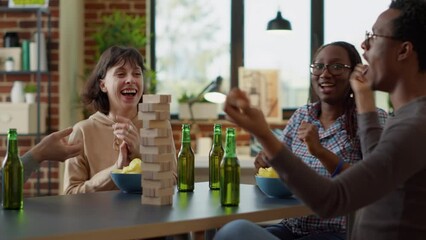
column 334, row 69
column 370, row 35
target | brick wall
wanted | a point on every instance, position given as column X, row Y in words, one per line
column 24, row 23
column 95, row 9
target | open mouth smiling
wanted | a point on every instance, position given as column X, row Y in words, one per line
column 129, row 92
column 326, row 84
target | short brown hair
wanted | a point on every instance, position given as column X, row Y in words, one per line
column 92, row 95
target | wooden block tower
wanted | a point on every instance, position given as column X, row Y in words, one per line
column 157, row 150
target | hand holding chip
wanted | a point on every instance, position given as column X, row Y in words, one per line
column 135, row 166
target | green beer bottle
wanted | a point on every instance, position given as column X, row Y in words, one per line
column 12, row 175
column 230, row 172
column 186, row 162
column 215, row 156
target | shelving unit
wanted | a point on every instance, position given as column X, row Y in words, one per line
column 42, row 14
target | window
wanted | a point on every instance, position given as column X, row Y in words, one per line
column 193, row 42
column 288, row 53
column 348, row 21
column 192, row 45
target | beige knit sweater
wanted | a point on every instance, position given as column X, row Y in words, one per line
column 90, row 172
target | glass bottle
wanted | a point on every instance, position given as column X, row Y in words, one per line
column 186, row 162
column 230, row 172
column 215, row 156
column 12, row 174
column 11, row 39
column 9, row 64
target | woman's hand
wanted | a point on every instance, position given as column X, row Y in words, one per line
column 308, row 133
column 260, row 161
column 123, row 159
column 125, row 130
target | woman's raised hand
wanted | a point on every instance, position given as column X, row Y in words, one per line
column 125, row 130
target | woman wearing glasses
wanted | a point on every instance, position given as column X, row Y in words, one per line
column 324, row 135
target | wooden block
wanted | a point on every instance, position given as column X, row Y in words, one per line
column 163, row 183
column 154, row 132
column 156, row 149
column 154, row 141
column 158, row 192
column 157, row 175
column 154, row 107
column 166, row 200
column 154, row 115
column 156, row 98
column 159, row 166
column 152, row 158
column 165, row 124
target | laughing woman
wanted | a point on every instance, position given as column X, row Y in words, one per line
column 324, row 135
column 111, row 135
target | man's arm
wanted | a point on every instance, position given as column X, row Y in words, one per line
column 53, row 147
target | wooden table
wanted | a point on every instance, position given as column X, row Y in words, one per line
column 115, row 215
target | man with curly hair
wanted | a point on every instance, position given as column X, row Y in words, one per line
column 388, row 187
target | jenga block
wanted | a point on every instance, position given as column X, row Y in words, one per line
column 152, row 158
column 159, row 167
column 156, row 98
column 154, row 115
column 154, row 107
column 166, row 200
column 154, row 132
column 158, row 192
column 154, row 141
column 163, row 183
column 156, row 149
column 157, row 175
column 156, row 124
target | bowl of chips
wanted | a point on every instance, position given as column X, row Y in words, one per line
column 270, row 184
column 129, row 179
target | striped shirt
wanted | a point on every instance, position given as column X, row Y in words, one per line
column 336, row 140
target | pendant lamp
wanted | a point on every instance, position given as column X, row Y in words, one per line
column 279, row 23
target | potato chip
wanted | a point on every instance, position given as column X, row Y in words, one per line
column 267, row 172
column 135, row 166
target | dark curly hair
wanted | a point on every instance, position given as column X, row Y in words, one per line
column 411, row 26
column 92, row 95
column 349, row 102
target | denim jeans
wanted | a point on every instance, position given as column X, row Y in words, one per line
column 243, row 229
column 282, row 232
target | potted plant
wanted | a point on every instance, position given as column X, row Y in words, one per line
column 30, row 91
column 201, row 108
column 124, row 29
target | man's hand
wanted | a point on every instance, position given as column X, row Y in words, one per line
column 238, row 110
column 364, row 95
column 55, row 147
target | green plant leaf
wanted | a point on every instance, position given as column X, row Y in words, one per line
column 120, row 28
column 30, row 88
